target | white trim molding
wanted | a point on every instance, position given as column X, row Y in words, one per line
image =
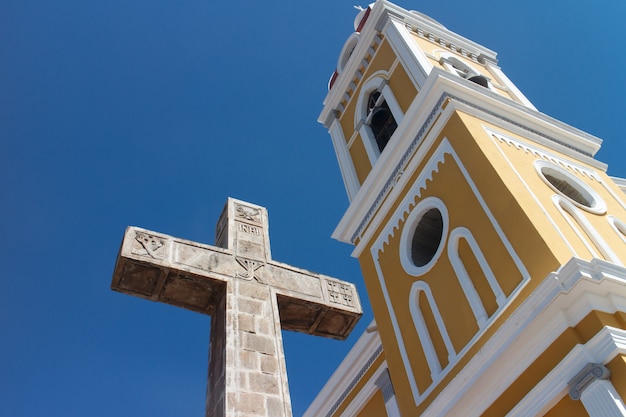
column 465, row 280
column 406, row 238
column 584, row 229
column 619, row 226
column 620, row 182
column 377, row 82
column 346, row 166
column 349, row 373
column 562, row 380
column 560, row 301
column 383, row 382
column 423, row 333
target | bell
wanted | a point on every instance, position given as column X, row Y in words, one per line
column 380, row 116
column 480, row 80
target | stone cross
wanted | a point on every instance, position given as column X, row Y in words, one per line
column 250, row 298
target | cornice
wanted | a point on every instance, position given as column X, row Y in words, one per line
column 444, row 37
column 620, row 182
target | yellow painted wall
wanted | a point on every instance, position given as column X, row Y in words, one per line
column 360, row 159
column 521, row 218
column 375, row 407
column 567, row 407
column 403, row 89
column 516, row 167
column 465, row 210
column 617, row 366
column 520, row 202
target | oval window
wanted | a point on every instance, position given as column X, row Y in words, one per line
column 423, row 236
column 571, row 187
column 427, row 237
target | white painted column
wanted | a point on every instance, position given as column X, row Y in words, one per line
column 384, row 384
column 592, row 386
column 346, row 166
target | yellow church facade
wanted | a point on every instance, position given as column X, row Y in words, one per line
column 491, row 241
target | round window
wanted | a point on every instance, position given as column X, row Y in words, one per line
column 571, row 187
column 423, row 236
column 346, row 51
column 427, row 237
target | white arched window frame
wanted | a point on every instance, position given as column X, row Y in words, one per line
column 619, row 227
column 585, row 231
column 346, row 51
column 422, row 330
column 378, row 82
column 465, row 280
column 596, row 203
column 408, row 231
column 456, row 66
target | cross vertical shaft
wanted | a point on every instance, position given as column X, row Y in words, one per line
column 252, row 351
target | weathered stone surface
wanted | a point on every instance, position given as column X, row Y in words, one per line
column 258, row 343
column 264, row 383
column 250, row 297
column 249, row 360
column 269, row 364
column 275, row 407
column 246, row 323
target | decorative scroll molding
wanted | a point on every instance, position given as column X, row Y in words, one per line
column 587, row 376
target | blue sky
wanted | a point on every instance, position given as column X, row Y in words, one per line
column 152, row 113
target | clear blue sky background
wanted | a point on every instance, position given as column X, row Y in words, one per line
column 152, row 113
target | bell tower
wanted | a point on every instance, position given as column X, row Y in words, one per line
column 491, row 241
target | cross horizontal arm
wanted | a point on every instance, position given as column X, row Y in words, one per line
column 192, row 275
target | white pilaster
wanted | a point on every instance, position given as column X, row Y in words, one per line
column 384, row 384
column 592, row 386
column 346, row 166
column 601, row 399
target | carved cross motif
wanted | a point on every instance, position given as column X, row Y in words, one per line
column 250, row 267
column 250, row 298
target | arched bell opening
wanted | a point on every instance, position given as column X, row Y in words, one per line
column 380, row 120
column 480, row 80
